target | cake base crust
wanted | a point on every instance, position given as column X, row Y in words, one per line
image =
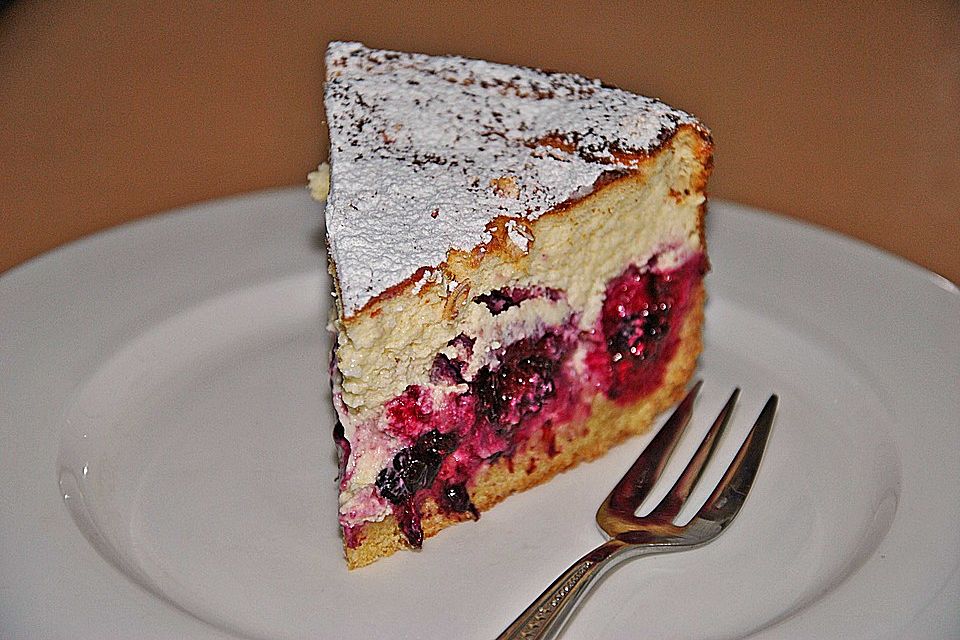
column 545, row 455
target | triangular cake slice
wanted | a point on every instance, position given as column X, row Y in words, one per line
column 518, row 260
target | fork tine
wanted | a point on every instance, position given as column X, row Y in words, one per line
column 725, row 501
column 637, row 482
column 671, row 504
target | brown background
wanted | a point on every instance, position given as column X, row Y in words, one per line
column 846, row 115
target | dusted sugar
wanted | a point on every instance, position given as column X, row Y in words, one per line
column 427, row 151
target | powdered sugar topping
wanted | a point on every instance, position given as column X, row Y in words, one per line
column 427, row 151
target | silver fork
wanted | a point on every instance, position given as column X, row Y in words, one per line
column 632, row 536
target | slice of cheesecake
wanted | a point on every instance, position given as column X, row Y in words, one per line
column 518, row 259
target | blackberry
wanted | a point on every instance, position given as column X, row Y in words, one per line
column 517, row 388
column 446, row 371
column 455, row 498
column 391, row 486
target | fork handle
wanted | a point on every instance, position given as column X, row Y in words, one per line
column 546, row 616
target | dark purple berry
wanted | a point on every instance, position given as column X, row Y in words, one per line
column 431, row 465
column 496, row 301
column 446, row 371
column 518, row 387
column 343, row 448
column 499, row 300
column 412, row 470
column 637, row 334
column 391, row 486
column 455, row 498
column 415, row 468
column 441, row 444
column 408, row 519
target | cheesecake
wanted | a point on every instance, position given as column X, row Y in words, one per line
column 517, row 259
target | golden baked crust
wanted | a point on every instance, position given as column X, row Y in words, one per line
column 539, row 460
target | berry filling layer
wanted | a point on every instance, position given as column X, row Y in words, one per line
column 488, row 396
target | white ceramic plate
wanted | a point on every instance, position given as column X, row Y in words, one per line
column 168, row 470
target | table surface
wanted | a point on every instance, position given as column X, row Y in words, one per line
column 846, row 116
